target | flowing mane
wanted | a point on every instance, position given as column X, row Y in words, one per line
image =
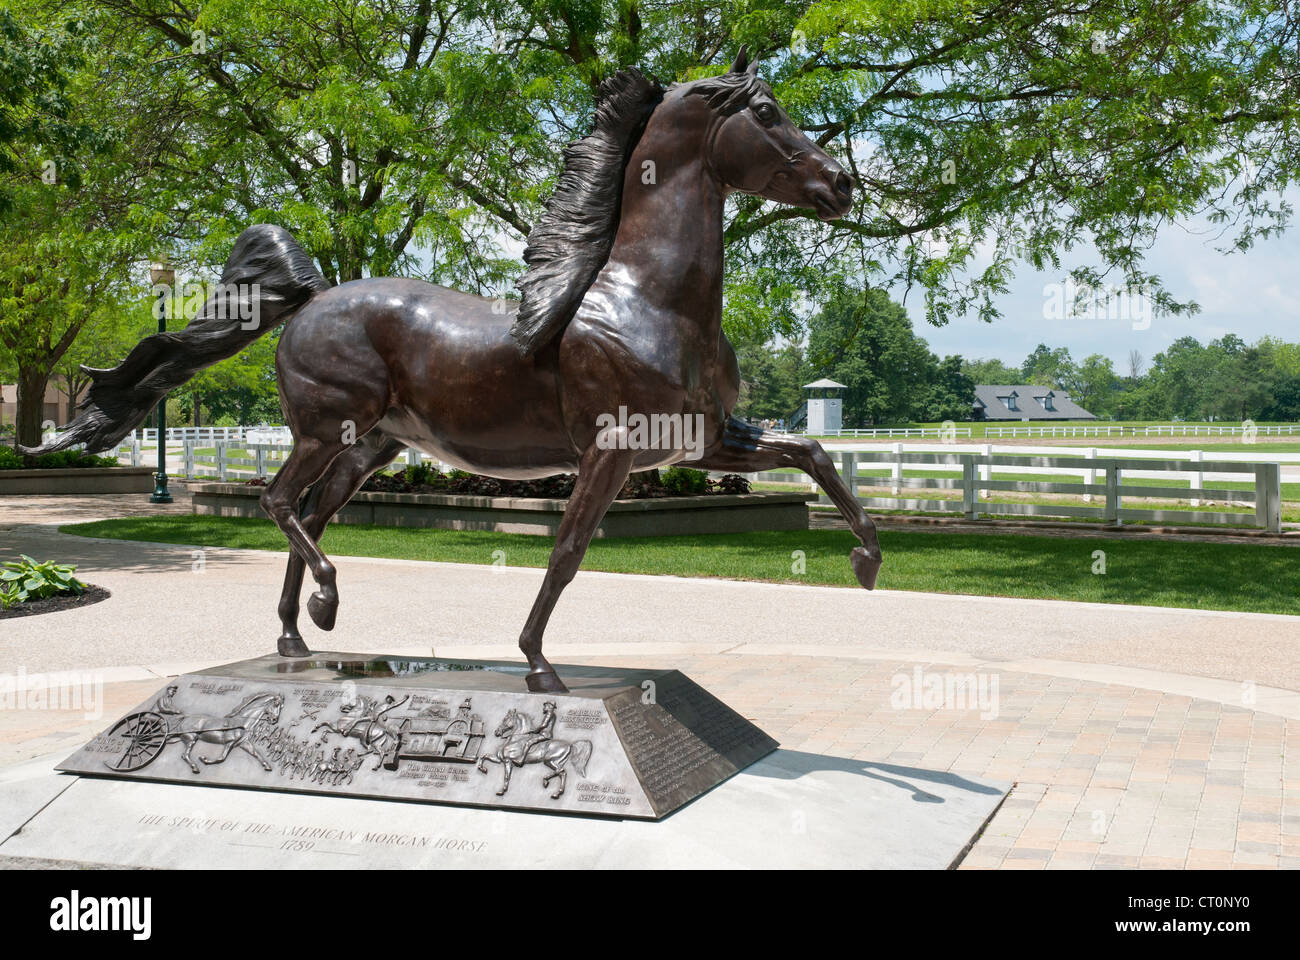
column 571, row 242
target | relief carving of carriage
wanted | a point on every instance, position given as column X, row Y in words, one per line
column 457, row 739
column 144, row 734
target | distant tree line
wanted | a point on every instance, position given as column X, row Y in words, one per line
column 865, row 341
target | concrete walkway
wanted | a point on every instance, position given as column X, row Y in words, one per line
column 1172, row 729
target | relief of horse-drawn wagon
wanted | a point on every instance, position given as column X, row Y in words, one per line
column 457, row 739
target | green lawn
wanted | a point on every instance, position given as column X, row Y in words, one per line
column 1262, row 578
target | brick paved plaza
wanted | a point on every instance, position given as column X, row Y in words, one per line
column 1137, row 763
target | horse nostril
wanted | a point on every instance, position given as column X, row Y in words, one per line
column 843, row 184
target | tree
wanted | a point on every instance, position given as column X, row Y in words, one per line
column 990, row 371
column 1049, row 368
column 1095, row 385
column 1030, row 128
column 421, row 136
column 770, row 385
column 865, row 341
column 70, row 231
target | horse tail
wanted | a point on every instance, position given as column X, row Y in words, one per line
column 581, row 754
column 267, row 279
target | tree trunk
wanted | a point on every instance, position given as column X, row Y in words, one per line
column 197, row 409
column 31, row 405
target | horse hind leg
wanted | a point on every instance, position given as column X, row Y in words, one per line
column 558, row 767
column 328, row 495
column 230, row 745
column 746, row 449
column 189, row 749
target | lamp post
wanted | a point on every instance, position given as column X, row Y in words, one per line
column 163, row 277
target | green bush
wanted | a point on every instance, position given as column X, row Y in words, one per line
column 683, row 480
column 11, row 459
column 25, row 579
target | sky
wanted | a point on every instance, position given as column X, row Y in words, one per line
column 1250, row 294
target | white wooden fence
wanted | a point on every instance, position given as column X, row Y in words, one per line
column 1101, row 477
column 1154, row 430
column 892, row 433
column 1097, row 476
column 204, row 434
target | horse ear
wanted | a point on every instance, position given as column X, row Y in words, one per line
column 741, row 62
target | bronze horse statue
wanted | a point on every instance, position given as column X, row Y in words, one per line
column 621, row 308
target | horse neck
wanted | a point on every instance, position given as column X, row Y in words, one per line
column 669, row 240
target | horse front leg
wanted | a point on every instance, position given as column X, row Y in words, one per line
column 746, row 449
column 251, row 750
column 601, row 473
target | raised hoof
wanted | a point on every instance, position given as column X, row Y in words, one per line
column 292, row 647
column 322, row 611
column 865, row 567
column 546, row 682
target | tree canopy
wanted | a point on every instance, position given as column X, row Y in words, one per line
column 421, row 137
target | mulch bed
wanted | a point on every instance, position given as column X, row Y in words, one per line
column 67, row 601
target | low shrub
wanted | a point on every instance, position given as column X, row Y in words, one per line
column 11, row 459
column 25, row 579
column 684, row 481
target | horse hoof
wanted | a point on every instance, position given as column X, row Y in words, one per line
column 545, row 681
column 322, row 610
column 865, row 566
column 292, row 647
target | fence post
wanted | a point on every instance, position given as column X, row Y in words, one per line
column 259, row 459
column 1090, row 475
column 1268, row 497
column 1111, row 513
column 188, row 457
column 986, row 468
column 412, row 457
column 1198, row 477
column 221, row 459
column 849, row 470
column 135, row 451
column 896, row 471
column 970, row 495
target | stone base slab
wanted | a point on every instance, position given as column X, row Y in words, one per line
column 790, row 810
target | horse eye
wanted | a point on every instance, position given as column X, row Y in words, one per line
column 765, row 112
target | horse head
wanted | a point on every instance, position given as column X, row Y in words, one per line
column 509, row 725
column 753, row 146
